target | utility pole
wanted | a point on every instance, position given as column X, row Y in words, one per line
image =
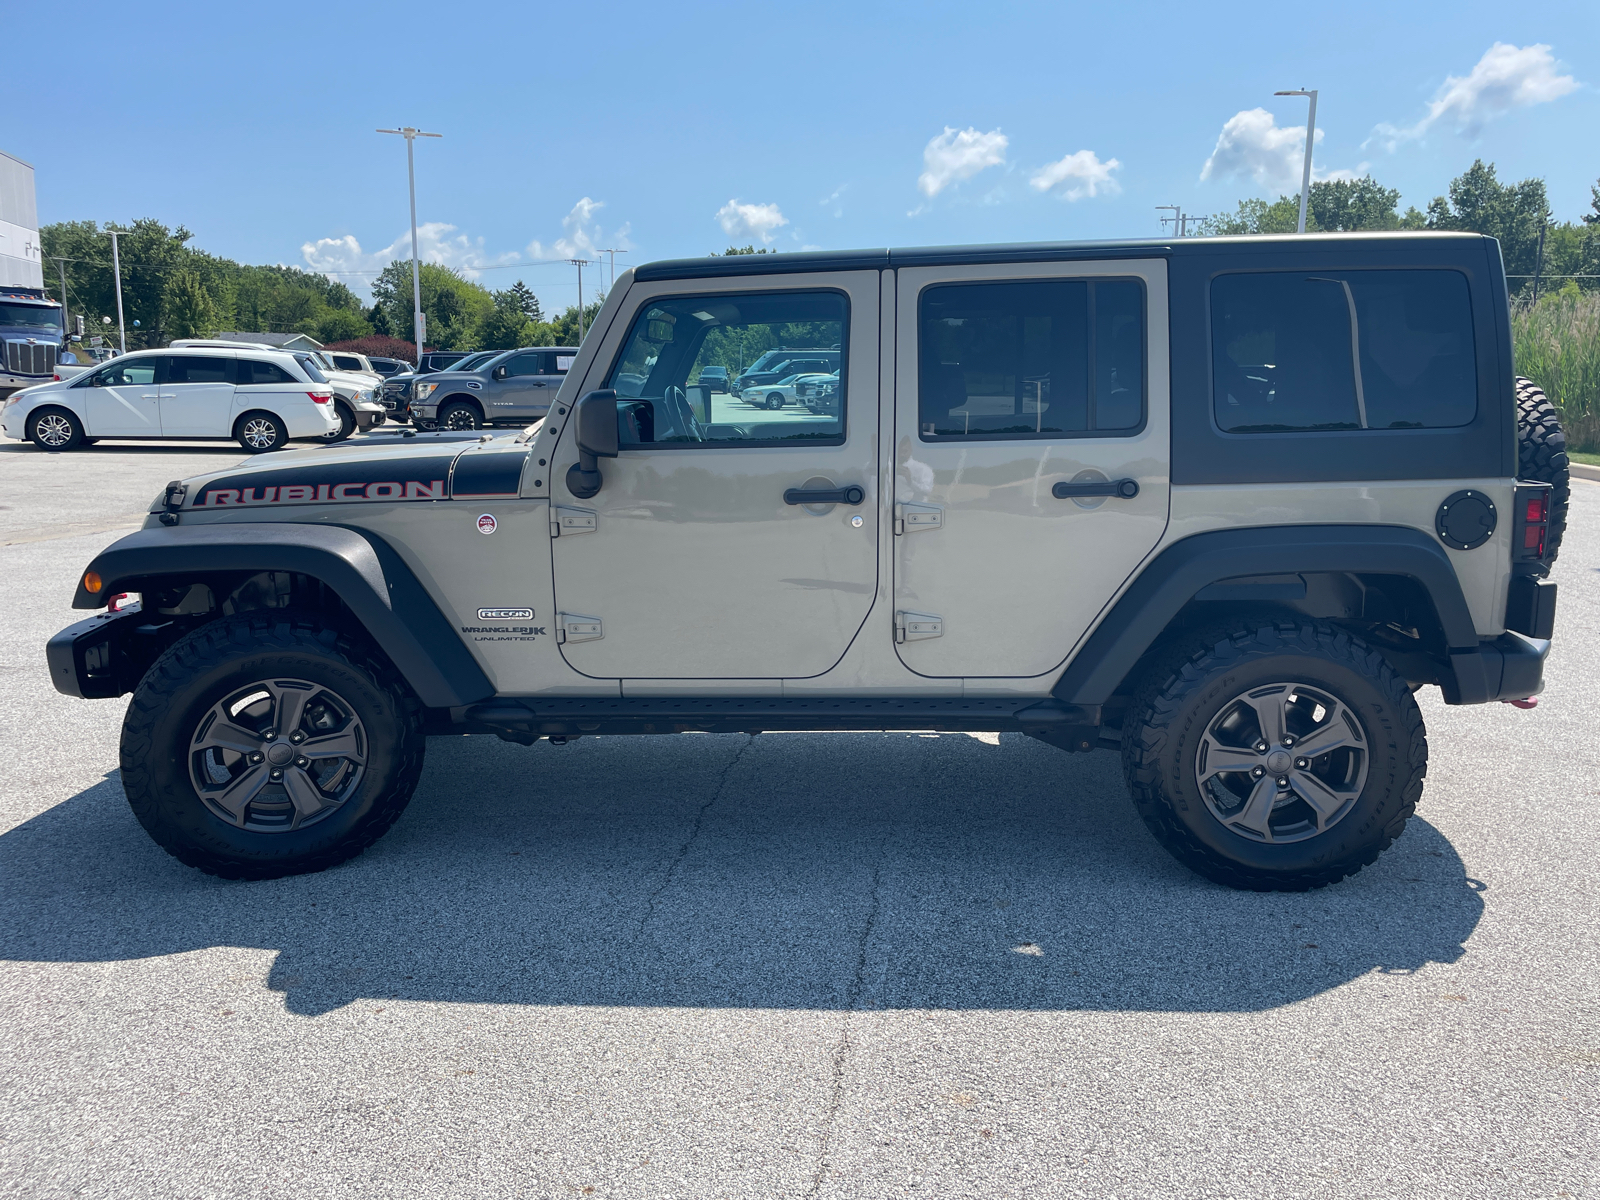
column 419, row 321
column 1538, row 262
column 613, row 254
column 1176, row 212
column 61, row 269
column 578, row 262
column 116, row 266
column 1311, row 133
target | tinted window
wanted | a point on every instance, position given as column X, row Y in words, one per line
column 252, row 371
column 522, row 364
column 309, row 366
column 1286, row 349
column 1056, row 358
column 191, row 368
column 673, row 341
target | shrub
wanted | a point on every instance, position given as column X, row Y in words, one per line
column 1557, row 345
column 377, row 346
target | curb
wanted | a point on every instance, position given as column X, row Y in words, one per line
column 1584, row 471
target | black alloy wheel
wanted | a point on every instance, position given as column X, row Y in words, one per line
column 460, row 415
column 268, row 745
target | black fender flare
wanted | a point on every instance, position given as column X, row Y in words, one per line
column 361, row 568
column 1178, row 574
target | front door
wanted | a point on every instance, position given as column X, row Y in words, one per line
column 1031, row 457
column 714, row 548
column 124, row 399
column 515, row 389
column 197, row 396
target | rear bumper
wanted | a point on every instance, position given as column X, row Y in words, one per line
column 1509, row 667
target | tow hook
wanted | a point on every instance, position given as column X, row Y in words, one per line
column 1528, row 702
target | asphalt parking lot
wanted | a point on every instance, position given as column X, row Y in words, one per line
column 853, row 965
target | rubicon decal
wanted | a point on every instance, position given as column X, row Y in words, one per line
column 323, row 493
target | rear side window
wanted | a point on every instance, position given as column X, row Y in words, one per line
column 1046, row 359
column 1342, row 350
column 192, row 368
column 252, row 371
column 309, row 366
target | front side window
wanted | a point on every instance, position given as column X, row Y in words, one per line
column 1342, row 350
column 139, row 372
column 522, row 364
column 1034, row 359
column 675, row 341
column 192, row 368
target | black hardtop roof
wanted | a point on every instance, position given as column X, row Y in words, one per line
column 941, row 256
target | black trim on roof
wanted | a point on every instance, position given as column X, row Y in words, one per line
column 714, row 266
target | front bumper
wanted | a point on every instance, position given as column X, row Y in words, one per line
column 105, row 655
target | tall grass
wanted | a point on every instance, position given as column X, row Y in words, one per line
column 1557, row 345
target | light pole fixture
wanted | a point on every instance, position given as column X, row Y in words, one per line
column 419, row 322
column 613, row 252
column 578, row 262
column 116, row 266
column 1311, row 133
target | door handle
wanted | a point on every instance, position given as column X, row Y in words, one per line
column 1117, row 489
column 851, row 494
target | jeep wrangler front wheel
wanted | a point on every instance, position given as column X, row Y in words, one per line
column 1275, row 756
column 260, row 746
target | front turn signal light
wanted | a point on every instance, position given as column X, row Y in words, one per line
column 92, row 583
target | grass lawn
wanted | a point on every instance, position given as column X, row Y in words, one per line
column 1578, row 456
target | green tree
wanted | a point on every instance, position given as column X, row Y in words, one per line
column 1513, row 213
column 341, row 325
column 508, row 326
column 525, row 301
column 563, row 330
column 740, row 250
column 455, row 307
column 188, row 308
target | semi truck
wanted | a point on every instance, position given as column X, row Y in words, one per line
column 32, row 329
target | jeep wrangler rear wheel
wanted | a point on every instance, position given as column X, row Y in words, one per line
column 1275, row 756
column 258, row 747
column 1542, row 454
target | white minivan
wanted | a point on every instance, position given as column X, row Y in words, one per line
column 258, row 397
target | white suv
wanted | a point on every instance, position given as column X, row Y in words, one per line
column 262, row 398
column 355, row 394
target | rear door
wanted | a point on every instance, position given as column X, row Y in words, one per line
column 1031, row 456
column 702, row 556
column 124, row 399
column 197, row 396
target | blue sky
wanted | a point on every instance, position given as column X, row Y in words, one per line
column 672, row 130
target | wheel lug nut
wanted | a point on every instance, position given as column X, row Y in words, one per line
column 269, row 735
column 1288, row 741
column 255, row 758
column 277, row 774
column 1283, row 781
column 1257, row 773
column 302, row 762
column 1301, row 764
column 1261, row 747
column 297, row 737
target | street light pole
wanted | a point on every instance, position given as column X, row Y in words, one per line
column 419, row 322
column 116, row 266
column 578, row 262
column 61, row 270
column 613, row 254
column 1311, row 133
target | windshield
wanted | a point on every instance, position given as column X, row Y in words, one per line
column 30, row 314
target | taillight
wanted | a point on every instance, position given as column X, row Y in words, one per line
column 1530, row 539
column 321, row 397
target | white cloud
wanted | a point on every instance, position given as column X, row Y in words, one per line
column 1251, row 144
column 750, row 220
column 1506, row 77
column 1082, row 172
column 838, row 208
column 584, row 237
column 343, row 259
column 955, row 155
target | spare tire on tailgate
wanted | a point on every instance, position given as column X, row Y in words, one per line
column 1542, row 453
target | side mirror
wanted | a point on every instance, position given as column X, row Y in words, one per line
column 500, row 372
column 595, row 423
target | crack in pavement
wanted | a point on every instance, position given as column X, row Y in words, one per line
column 694, row 832
column 841, row 1052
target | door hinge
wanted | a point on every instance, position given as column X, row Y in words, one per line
column 908, row 518
column 572, row 628
column 915, row 626
column 572, row 521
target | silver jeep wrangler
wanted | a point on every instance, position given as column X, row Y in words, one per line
column 1221, row 505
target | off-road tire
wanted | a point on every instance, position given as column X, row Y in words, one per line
column 230, row 653
column 1203, row 672
column 1542, row 454
column 460, row 415
column 56, row 419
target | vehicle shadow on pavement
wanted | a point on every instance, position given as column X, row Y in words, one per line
column 813, row 871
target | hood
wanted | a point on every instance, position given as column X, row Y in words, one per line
column 419, row 468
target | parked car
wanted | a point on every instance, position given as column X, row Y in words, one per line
column 355, row 402
column 776, row 395
column 1271, row 491
column 776, row 364
column 389, row 367
column 819, row 393
column 396, row 393
column 72, row 363
column 359, row 364
column 513, row 388
column 715, row 378
column 261, row 398
column 439, row 360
